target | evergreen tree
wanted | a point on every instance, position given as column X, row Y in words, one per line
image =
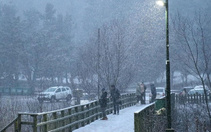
column 10, row 44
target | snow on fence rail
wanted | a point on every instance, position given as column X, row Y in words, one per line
column 196, row 98
column 146, row 120
column 67, row 119
column 143, row 120
column 153, row 116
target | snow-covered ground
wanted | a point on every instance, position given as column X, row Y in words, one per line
column 124, row 122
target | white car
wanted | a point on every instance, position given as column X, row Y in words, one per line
column 160, row 92
column 201, row 87
column 55, row 94
column 196, row 91
column 199, row 90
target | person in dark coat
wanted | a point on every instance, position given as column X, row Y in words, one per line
column 115, row 95
column 153, row 92
column 103, row 103
column 143, row 96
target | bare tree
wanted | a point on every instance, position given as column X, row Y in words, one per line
column 111, row 62
column 193, row 39
column 191, row 117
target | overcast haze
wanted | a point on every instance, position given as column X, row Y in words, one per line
column 79, row 9
column 93, row 44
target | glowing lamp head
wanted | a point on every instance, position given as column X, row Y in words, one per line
column 160, row 3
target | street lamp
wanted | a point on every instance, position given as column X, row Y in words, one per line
column 168, row 89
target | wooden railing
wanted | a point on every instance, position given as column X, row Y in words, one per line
column 13, row 123
column 67, row 119
column 143, row 118
column 196, row 98
column 153, row 117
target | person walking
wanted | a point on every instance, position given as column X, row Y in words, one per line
column 143, row 89
column 138, row 94
column 103, row 104
column 153, row 92
column 182, row 96
column 115, row 95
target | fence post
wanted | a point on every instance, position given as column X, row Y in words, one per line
column 76, row 117
column 70, row 120
column 191, row 99
column 54, row 117
column 200, row 96
column 194, row 98
column 87, row 113
column 91, row 112
column 18, row 124
column 97, row 110
column 63, row 121
column 82, row 115
column 45, row 128
column 34, row 123
column 128, row 100
column 137, row 122
column 197, row 98
column 131, row 99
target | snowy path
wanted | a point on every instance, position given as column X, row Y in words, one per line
column 124, row 122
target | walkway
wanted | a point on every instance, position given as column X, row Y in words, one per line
column 124, row 122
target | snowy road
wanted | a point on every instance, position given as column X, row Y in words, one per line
column 124, row 122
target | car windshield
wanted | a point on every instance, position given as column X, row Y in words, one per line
column 191, row 92
column 52, row 89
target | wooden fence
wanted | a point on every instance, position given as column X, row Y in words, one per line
column 146, row 120
column 64, row 120
column 153, row 117
column 196, row 98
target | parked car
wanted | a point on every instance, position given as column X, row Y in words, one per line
column 201, row 87
column 55, row 94
column 160, row 92
column 198, row 91
column 175, row 91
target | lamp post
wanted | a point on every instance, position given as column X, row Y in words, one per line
column 98, row 64
column 168, row 88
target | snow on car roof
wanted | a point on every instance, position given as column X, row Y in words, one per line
column 200, row 87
